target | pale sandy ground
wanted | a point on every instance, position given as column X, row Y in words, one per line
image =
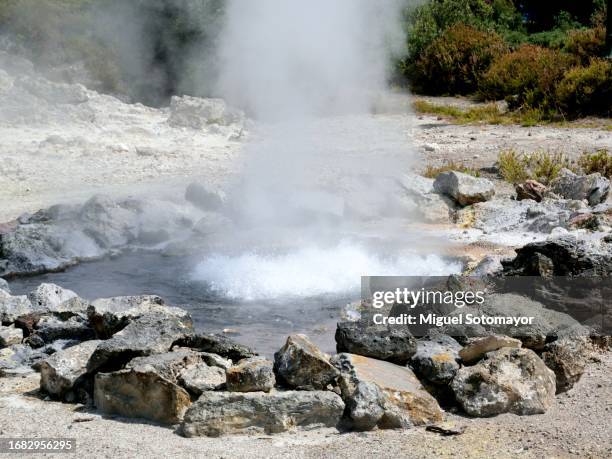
column 577, row 426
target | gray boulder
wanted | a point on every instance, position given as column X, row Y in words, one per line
column 436, row 359
column 202, row 378
column 217, row 344
column 219, row 413
column 382, row 394
column 393, row 344
column 429, row 206
column 50, row 328
column 140, row 394
column 593, row 188
column 476, row 348
column 47, row 297
column 463, row 188
column 567, row 357
column 299, row 364
column 12, row 307
column 509, row 380
column 168, row 365
column 198, row 113
column 251, row 375
column 153, row 333
column 10, row 335
column 63, row 372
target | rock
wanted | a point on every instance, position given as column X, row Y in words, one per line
column 153, row 333
column 219, row 413
column 47, row 297
column 168, row 365
column 489, row 266
column 4, row 285
column 251, row 375
column 587, row 221
column 198, row 113
column 531, row 189
column 429, row 206
column 299, row 364
column 564, row 256
column 202, row 378
column 53, row 93
column 383, row 394
column 593, row 188
column 50, row 328
column 12, row 307
column 217, row 344
column 436, row 359
column 393, row 344
column 140, row 394
column 10, row 335
column 463, row 188
column 203, row 198
column 479, row 347
column 215, row 360
column 567, row 357
column 63, row 372
column 509, row 380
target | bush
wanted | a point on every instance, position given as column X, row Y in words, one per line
column 586, row 43
column 541, row 166
column 527, row 78
column 587, row 90
column 455, row 61
column 600, row 161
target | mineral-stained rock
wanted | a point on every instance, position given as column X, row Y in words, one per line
column 12, row 307
column 168, row 365
column 10, row 335
column 436, row 359
column 251, row 375
column 299, row 364
column 217, row 344
column 140, row 394
column 46, row 297
column 531, row 189
column 464, row 188
column 382, row 394
column 64, row 371
column 567, row 357
column 219, row 413
column 510, row 380
column 201, row 378
column 594, row 188
column 477, row 348
column 394, row 344
column 153, row 333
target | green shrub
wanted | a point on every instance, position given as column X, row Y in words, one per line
column 587, row 90
column 527, row 78
column 512, row 166
column 455, row 61
column 586, row 43
column 600, row 161
column 541, row 166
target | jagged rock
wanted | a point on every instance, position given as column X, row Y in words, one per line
column 251, row 375
column 393, row 344
column 567, row 357
column 110, row 315
column 63, row 372
column 4, row 285
column 587, row 221
column 168, row 365
column 593, row 188
column 531, row 189
column 198, row 113
column 47, row 297
column 564, row 256
column 10, row 335
column 153, row 333
column 427, row 204
column 477, row 348
column 50, row 328
column 140, row 394
column 12, row 307
column 383, row 394
column 202, row 378
column 299, row 364
column 509, row 380
column 463, row 188
column 217, row 344
column 203, row 198
column 436, row 359
column 219, row 413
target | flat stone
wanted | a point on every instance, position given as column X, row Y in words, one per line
column 479, row 347
column 217, row 344
column 168, row 365
column 10, row 335
column 202, row 378
column 464, row 188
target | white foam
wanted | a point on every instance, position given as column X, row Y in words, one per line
column 309, row 272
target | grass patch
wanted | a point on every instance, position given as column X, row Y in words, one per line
column 432, row 171
column 600, row 161
column 541, row 166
